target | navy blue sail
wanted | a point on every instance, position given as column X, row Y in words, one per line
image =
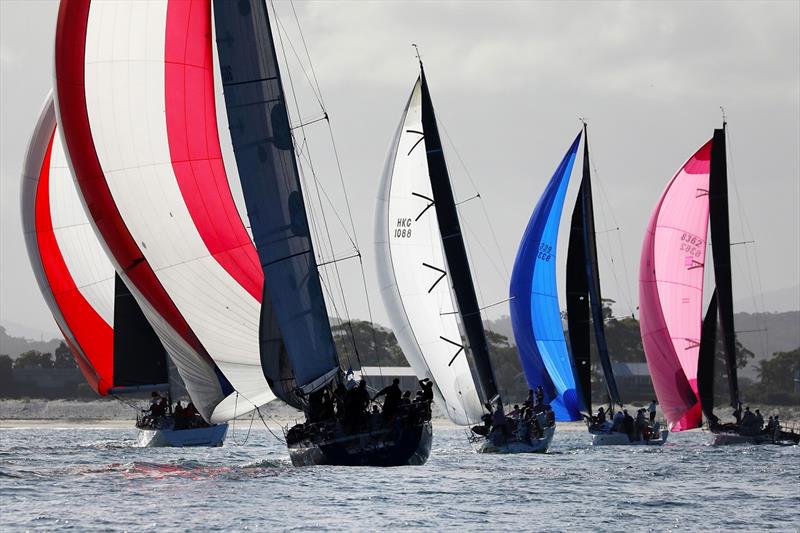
column 293, row 306
column 535, row 312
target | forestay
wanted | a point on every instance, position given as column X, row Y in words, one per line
column 671, row 290
column 413, row 273
column 136, row 100
column 535, row 311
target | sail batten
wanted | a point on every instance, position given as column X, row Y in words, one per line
column 454, row 249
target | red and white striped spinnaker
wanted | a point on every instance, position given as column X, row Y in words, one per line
column 135, row 99
column 112, row 342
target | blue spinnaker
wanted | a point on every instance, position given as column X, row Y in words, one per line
column 535, row 313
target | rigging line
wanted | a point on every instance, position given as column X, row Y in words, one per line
column 485, row 251
column 468, row 199
column 335, row 212
column 309, row 122
column 308, row 55
column 744, row 220
column 338, row 316
column 316, row 182
column 625, row 289
column 296, row 55
column 482, row 203
column 354, row 237
column 282, row 441
column 482, row 308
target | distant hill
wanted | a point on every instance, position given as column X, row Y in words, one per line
column 782, row 335
column 777, row 301
column 13, row 346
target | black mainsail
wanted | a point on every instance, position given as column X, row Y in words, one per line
column 584, row 298
column 293, row 305
column 721, row 251
column 454, row 248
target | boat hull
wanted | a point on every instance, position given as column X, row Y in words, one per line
column 621, row 439
column 539, row 445
column 211, row 436
column 411, row 447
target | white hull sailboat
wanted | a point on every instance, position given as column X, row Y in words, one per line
column 519, row 445
column 168, row 436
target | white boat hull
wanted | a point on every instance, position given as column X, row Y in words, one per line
column 540, row 445
column 621, row 439
column 212, row 436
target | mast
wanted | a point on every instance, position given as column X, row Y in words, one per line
column 583, row 289
column 293, row 305
column 454, row 248
column 721, row 252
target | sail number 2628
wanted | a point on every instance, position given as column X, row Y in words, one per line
column 403, row 228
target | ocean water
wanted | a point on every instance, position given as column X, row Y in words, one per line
column 95, row 479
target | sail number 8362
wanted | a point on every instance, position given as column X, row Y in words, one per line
column 692, row 244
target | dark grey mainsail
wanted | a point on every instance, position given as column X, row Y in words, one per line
column 293, row 306
column 584, row 298
column 721, row 251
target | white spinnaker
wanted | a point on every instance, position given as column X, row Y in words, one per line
column 408, row 239
column 125, row 75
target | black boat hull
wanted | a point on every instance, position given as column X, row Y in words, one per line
column 411, row 447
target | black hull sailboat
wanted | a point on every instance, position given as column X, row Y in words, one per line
column 747, row 429
column 299, row 357
column 385, row 446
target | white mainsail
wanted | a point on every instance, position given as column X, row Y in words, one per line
column 412, row 270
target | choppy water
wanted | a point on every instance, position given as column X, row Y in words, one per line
column 94, row 479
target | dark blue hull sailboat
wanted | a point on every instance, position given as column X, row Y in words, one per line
column 385, row 446
column 298, row 354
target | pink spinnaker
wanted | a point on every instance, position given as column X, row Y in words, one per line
column 671, row 290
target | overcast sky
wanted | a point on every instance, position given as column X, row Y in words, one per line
column 509, row 81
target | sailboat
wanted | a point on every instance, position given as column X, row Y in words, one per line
column 679, row 343
column 304, row 372
column 427, row 285
column 137, row 118
column 562, row 374
column 112, row 342
column 585, row 313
